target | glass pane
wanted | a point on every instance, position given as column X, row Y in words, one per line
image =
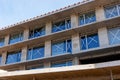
column 114, row 35
column 62, row 64
column 68, row 24
column 81, row 20
column 90, row 17
column 13, row 57
column 119, row 9
column 29, row 54
column 0, row 59
column 16, row 38
column 58, row 26
column 83, row 43
column 93, row 41
column 1, row 42
column 111, row 11
column 59, row 48
column 37, row 32
column 69, row 46
column 35, row 53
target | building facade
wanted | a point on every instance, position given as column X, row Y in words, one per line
column 78, row 42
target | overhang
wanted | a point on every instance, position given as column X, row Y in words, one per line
column 79, row 71
column 56, row 15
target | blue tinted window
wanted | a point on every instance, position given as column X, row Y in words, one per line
column 13, row 57
column 1, row 42
column 87, row 18
column 63, row 25
column 35, row 53
column 111, row 11
column 61, row 47
column 119, row 9
column 62, row 64
column 114, row 35
column 0, row 59
column 90, row 41
column 16, row 38
column 83, row 43
column 37, row 32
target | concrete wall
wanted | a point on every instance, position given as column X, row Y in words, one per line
column 103, row 37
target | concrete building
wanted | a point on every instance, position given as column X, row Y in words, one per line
column 78, row 42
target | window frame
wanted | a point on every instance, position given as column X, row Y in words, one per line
column 109, row 35
column 66, row 46
column 84, row 17
column 2, row 40
column 66, row 27
column 19, row 56
column 117, row 8
column 86, row 41
column 21, row 38
column 32, row 32
column 31, row 54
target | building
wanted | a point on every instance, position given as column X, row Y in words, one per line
column 78, row 42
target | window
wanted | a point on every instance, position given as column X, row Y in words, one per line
column 38, row 66
column 114, row 35
column 37, row 32
column 61, row 47
column 62, row 64
column 1, row 42
column 87, row 18
column 16, row 38
column 34, row 53
column 112, row 11
column 13, row 57
column 63, row 25
column 89, row 41
column 0, row 59
column 119, row 9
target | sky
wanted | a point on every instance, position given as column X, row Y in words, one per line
column 13, row 11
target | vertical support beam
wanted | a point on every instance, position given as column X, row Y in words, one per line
column 26, row 34
column 24, row 54
column 100, row 13
column 4, row 56
column 47, row 48
column 48, row 28
column 111, row 75
column 47, row 64
column 75, row 61
column 7, row 39
column 74, row 20
column 75, row 43
column 103, row 37
column 22, row 67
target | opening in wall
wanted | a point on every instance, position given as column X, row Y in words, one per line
column 100, row 59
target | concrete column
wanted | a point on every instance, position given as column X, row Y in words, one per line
column 75, row 61
column 48, row 28
column 100, row 13
column 26, row 34
column 4, row 56
column 75, row 43
column 74, row 20
column 24, row 53
column 47, row 48
column 22, row 67
column 7, row 39
column 103, row 37
column 47, row 65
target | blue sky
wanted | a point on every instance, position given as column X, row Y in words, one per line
column 13, row 11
